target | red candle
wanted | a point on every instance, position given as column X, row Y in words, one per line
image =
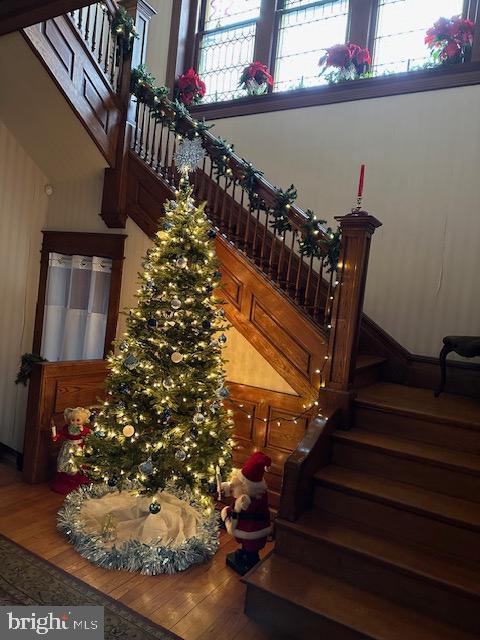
column 360, row 181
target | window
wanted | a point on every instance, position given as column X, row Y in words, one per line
column 401, row 26
column 226, row 45
column 222, row 37
column 305, row 30
column 78, row 295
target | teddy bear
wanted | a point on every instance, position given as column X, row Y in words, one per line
column 248, row 519
column 68, row 476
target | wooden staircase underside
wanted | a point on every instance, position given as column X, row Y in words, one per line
column 18, row 14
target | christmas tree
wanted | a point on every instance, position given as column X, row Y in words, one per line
column 164, row 419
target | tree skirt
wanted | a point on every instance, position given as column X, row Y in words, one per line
column 172, row 540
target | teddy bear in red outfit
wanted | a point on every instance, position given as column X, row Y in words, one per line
column 248, row 519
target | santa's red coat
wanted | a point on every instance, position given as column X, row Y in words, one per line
column 251, row 526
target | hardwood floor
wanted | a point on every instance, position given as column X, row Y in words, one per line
column 202, row 603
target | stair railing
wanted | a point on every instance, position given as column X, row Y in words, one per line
column 94, row 23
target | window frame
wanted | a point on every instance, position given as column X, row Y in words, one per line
column 69, row 243
column 183, row 53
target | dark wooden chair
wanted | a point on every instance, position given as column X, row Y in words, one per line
column 466, row 346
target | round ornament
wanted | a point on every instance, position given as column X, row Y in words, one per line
column 194, row 432
column 180, row 454
column 128, row 431
column 222, row 339
column 100, row 433
column 123, row 346
column 199, row 418
column 217, row 275
column 154, row 508
column 209, row 288
column 123, row 387
column 112, row 481
column 214, row 407
column 130, row 362
column 176, row 357
column 211, row 234
column 223, row 392
column 182, row 262
column 168, row 383
column 206, row 324
column 166, row 415
column 175, row 303
column 152, row 323
column 146, row 467
column 166, row 226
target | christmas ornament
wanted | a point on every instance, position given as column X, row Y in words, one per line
column 217, row 275
column 223, row 392
column 168, row 383
column 206, row 324
column 154, row 507
column 175, row 303
column 222, row 339
column 214, row 407
column 176, row 357
column 123, row 346
column 189, row 155
column 182, row 262
column 209, row 288
column 211, row 234
column 152, row 322
column 180, row 455
column 165, row 415
column 121, row 405
column 166, row 226
column 112, row 481
column 100, row 433
column 128, row 431
column 194, row 432
column 146, row 467
column 198, row 418
column 123, row 387
column 130, row 362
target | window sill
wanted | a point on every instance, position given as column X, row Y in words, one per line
column 410, row 82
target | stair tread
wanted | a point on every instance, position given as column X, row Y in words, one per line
column 406, row 556
column 364, row 361
column 360, row 610
column 440, row 506
column 413, row 449
column 398, row 398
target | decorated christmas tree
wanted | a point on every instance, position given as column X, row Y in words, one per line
column 164, row 420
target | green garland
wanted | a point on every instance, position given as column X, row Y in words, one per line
column 123, row 28
column 27, row 362
column 177, row 117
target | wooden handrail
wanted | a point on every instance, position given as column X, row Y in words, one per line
column 312, row 453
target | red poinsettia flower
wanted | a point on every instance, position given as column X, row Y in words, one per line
column 337, row 56
column 256, row 71
column 190, row 87
column 450, row 36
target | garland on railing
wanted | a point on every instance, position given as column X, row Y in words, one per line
column 176, row 116
column 123, row 28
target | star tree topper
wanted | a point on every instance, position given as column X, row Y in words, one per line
column 189, row 155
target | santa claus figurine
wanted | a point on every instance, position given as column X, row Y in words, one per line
column 68, row 476
column 248, row 519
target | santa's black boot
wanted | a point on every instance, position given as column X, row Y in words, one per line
column 238, row 561
column 251, row 559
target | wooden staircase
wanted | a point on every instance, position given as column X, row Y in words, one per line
column 390, row 547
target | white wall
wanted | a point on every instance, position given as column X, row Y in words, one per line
column 422, row 153
column 159, row 38
column 23, row 211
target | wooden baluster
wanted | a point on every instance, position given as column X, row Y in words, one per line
column 201, row 180
column 209, row 196
column 231, row 212
column 273, row 247
column 158, row 167
column 115, row 58
column 288, row 282
column 264, row 240
column 80, row 19
column 147, row 135
column 136, row 131
column 255, row 230
column 307, row 285
column 240, row 216
column 224, row 204
column 102, row 31
column 142, row 131
column 246, row 239
column 152, row 146
column 318, row 290
column 329, row 300
column 166, row 156
column 94, row 29
column 172, row 161
column 87, row 24
column 107, row 50
column 280, row 258
column 298, row 278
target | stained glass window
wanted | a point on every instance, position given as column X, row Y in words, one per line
column 401, row 26
column 306, row 28
column 227, row 43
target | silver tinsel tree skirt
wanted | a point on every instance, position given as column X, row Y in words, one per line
column 116, row 530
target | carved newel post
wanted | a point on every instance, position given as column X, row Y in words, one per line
column 357, row 230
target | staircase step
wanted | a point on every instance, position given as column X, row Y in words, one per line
column 449, row 421
column 306, row 603
column 368, row 370
column 450, row 472
column 448, row 524
column 395, row 569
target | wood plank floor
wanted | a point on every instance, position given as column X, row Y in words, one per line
column 204, row 602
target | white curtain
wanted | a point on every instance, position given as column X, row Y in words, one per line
column 76, row 307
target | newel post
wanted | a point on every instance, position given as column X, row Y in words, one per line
column 357, row 230
column 114, row 201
